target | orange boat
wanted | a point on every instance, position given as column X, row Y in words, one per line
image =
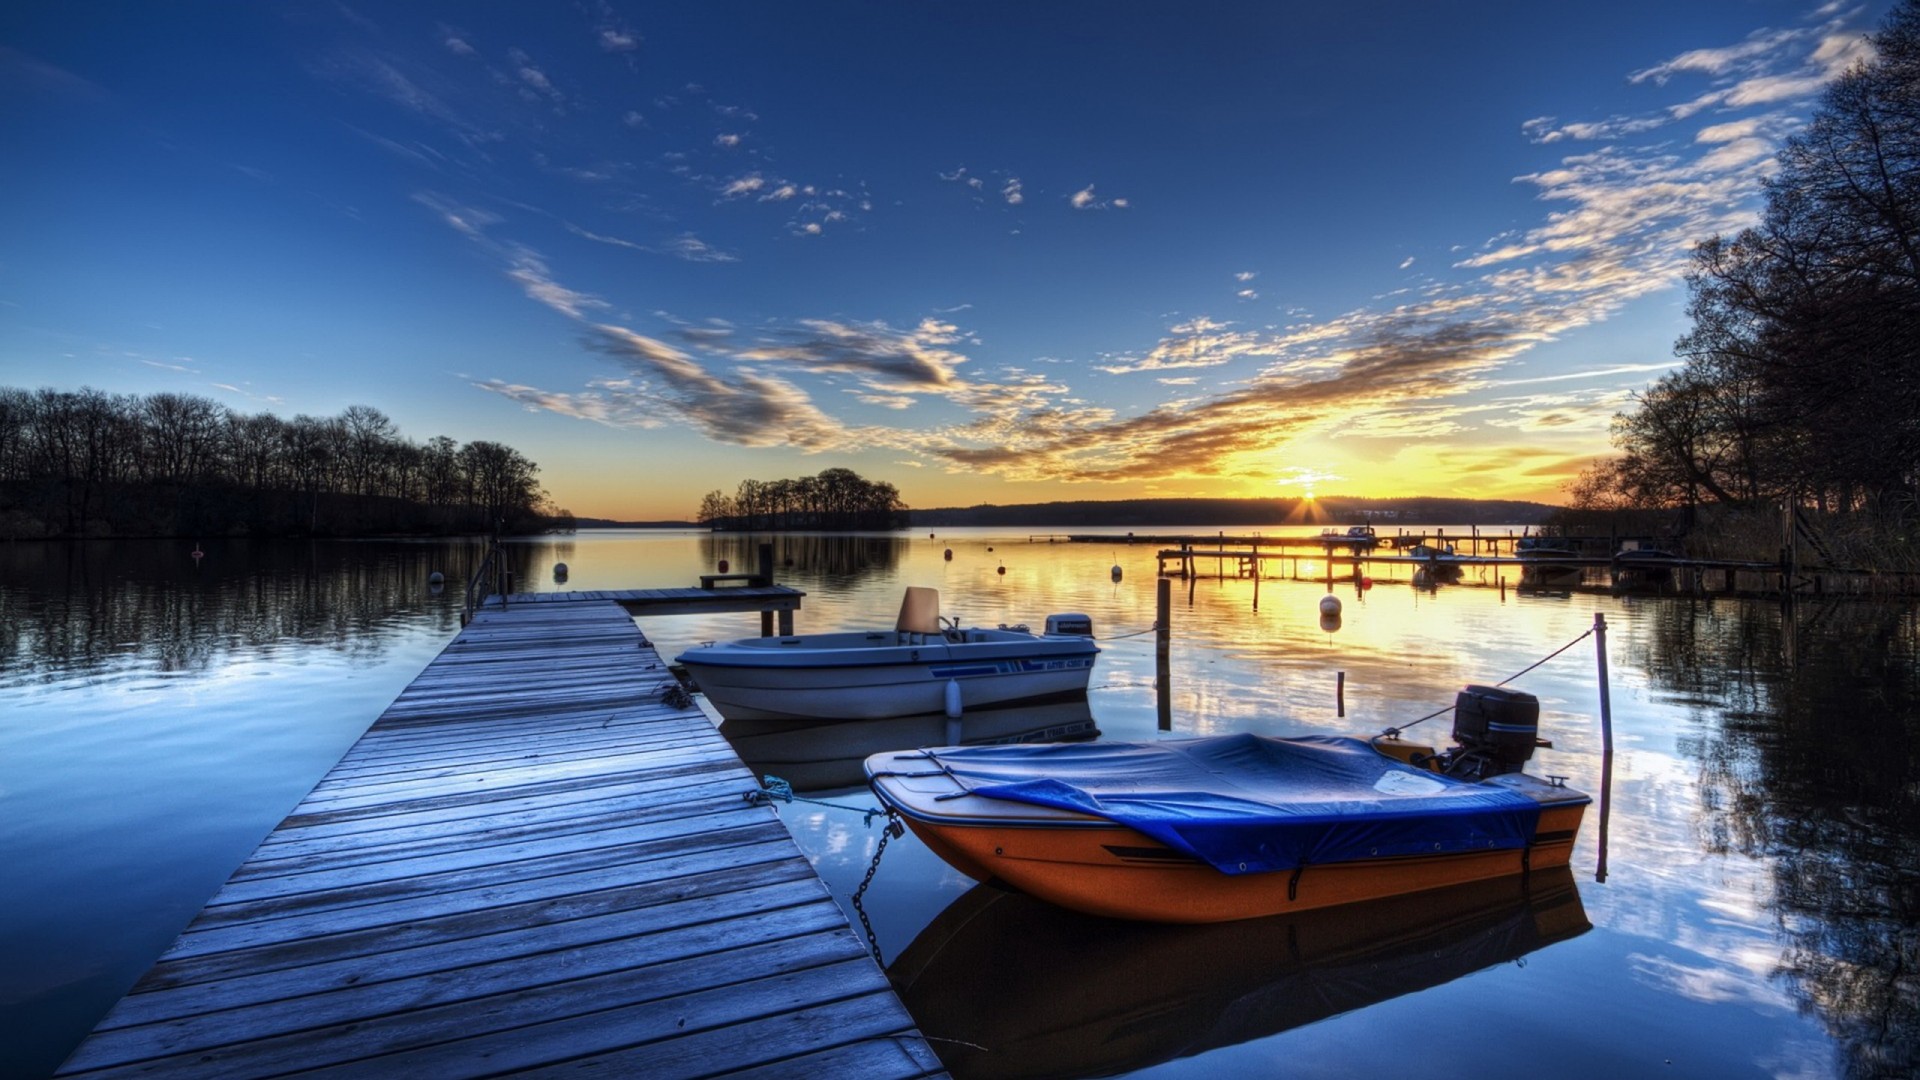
column 1240, row 826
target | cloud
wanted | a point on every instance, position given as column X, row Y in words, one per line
column 1084, row 199
column 693, row 249
column 1406, row 262
column 618, row 41
column 530, row 271
column 898, row 361
column 1245, row 275
column 1010, row 191
column 685, row 246
column 744, row 185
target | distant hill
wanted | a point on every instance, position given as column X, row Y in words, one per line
column 605, row 523
column 1338, row 510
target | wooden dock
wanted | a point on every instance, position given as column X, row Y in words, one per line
column 531, row 863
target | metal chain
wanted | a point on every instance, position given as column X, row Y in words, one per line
column 892, row 829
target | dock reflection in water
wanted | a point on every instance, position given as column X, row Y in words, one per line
column 826, row 757
column 1016, row 987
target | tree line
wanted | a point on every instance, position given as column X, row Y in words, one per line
column 89, row 463
column 837, row 499
column 1800, row 381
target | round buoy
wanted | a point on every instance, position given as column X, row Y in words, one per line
column 198, row 554
column 929, row 536
column 1329, row 622
column 1366, row 583
column 559, row 571
column 1116, row 571
column 723, row 566
column 436, row 578
column 949, row 554
column 989, row 547
column 1330, row 605
column 1003, row 569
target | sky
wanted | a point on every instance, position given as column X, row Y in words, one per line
column 989, row 253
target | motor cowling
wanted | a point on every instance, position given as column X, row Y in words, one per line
column 1502, row 723
column 1070, row 625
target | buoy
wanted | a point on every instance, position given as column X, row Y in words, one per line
column 989, row 547
column 559, row 571
column 949, row 554
column 929, row 536
column 1003, row 569
column 1330, row 605
column 1116, row 571
column 1366, row 583
column 723, row 566
column 198, row 554
column 1329, row 621
column 953, row 697
column 436, row 578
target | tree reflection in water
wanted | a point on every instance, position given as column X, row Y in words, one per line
column 1808, row 762
column 70, row 609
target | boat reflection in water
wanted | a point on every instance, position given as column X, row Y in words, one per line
column 827, row 756
column 1026, row 989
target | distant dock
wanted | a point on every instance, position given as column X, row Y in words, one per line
column 1332, row 558
column 532, row 862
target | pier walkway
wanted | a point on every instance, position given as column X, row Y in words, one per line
column 531, row 863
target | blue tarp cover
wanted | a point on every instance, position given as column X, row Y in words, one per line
column 1249, row 803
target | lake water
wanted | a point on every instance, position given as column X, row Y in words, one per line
column 1760, row 916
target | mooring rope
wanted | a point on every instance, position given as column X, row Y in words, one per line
column 1394, row 732
column 772, row 788
column 1136, row 633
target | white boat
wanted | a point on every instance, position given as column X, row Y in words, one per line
column 923, row 665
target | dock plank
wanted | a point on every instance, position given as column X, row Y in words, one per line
column 532, row 861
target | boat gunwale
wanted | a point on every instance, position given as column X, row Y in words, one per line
column 734, row 654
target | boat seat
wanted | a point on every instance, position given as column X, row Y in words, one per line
column 919, row 611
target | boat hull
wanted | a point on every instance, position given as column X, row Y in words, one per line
column 1098, row 867
column 870, row 677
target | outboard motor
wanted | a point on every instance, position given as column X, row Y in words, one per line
column 1496, row 730
column 1070, row 625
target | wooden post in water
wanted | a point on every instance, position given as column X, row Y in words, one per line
column 1340, row 693
column 1606, row 739
column 765, row 577
column 1162, row 644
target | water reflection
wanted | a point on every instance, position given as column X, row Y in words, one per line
column 70, row 610
column 1810, row 768
column 1084, row 996
column 827, row 757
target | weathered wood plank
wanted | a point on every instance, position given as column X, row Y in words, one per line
column 535, row 962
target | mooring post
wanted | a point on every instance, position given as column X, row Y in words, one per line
column 1162, row 667
column 1606, row 739
column 765, row 577
column 1340, row 693
column 1162, row 616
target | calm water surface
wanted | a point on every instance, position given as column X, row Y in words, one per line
column 1759, row 918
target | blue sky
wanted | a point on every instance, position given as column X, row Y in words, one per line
column 990, row 253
